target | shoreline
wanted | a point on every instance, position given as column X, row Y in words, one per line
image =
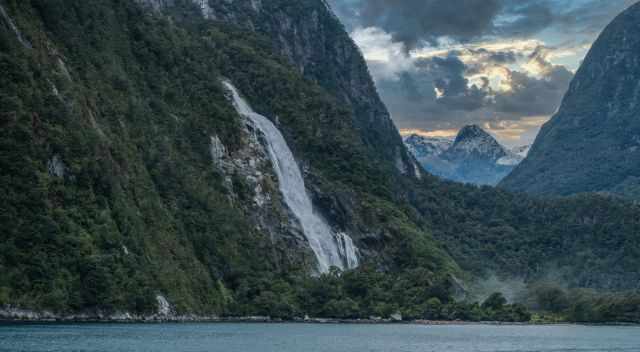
column 14, row 315
column 311, row 321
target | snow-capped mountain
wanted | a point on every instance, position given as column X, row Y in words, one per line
column 421, row 146
column 473, row 142
column 473, row 157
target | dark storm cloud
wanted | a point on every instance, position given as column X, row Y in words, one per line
column 524, row 18
column 415, row 21
column 436, row 92
column 589, row 17
column 450, row 81
column 412, row 96
column 532, row 96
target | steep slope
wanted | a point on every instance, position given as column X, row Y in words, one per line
column 129, row 180
column 314, row 41
column 473, row 157
column 593, row 143
column 586, row 241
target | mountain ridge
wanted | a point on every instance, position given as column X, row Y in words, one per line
column 132, row 184
column 592, row 143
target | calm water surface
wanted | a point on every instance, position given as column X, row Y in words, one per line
column 311, row 338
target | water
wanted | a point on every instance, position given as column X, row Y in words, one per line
column 315, row 338
column 15, row 29
column 330, row 248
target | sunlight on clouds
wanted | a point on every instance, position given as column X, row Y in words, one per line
column 511, row 131
column 424, row 133
column 524, row 45
column 503, row 70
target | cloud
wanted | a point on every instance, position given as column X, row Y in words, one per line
column 503, row 64
column 415, row 21
column 447, row 89
column 522, row 19
column 516, row 132
column 438, row 133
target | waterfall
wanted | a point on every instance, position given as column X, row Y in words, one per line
column 330, row 248
column 14, row 28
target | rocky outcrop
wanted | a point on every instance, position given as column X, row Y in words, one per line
column 593, row 143
column 249, row 177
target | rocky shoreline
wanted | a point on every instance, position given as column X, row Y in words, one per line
column 9, row 314
column 18, row 315
column 14, row 315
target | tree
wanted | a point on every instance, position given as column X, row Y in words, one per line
column 495, row 302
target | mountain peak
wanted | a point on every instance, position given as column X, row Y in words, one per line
column 471, row 131
column 472, row 140
column 474, row 157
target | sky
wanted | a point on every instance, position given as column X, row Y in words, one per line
column 502, row 64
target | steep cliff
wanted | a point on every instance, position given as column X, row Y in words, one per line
column 128, row 175
column 593, row 143
column 314, row 41
column 132, row 180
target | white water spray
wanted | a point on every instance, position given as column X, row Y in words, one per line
column 330, row 248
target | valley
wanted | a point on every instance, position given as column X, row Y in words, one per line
column 166, row 158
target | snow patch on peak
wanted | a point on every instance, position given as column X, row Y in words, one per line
column 474, row 157
column 421, row 146
column 473, row 140
column 514, row 156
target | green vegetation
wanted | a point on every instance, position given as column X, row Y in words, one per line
column 127, row 101
column 557, row 304
column 109, row 196
column 365, row 293
column 591, row 144
column 583, row 241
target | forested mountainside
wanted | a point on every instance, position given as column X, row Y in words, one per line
column 580, row 241
column 132, row 179
column 127, row 173
column 593, row 143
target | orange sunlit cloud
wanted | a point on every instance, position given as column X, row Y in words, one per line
column 424, row 133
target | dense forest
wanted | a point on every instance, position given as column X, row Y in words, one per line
column 110, row 196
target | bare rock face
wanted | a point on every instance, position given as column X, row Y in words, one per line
column 593, row 143
column 314, row 41
column 249, row 177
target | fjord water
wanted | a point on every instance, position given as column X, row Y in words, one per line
column 315, row 338
column 330, row 248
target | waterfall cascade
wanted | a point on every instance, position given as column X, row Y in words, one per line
column 330, row 248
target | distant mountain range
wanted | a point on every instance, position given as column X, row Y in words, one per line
column 473, row 157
